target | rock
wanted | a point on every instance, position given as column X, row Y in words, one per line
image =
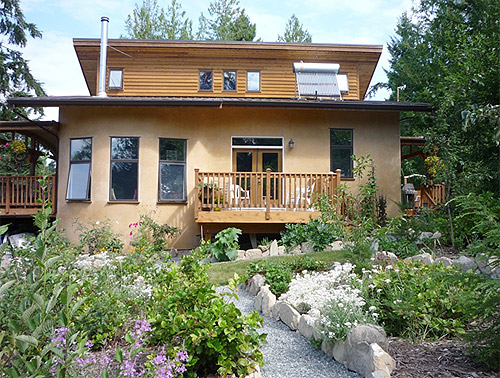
column 289, row 316
column 465, row 263
column 335, row 246
column 495, row 273
column 327, row 348
column 253, row 253
column 379, row 360
column 257, row 301
column 276, row 310
column 255, row 283
column 268, row 300
column 425, row 258
column 256, row 373
column 425, row 235
column 294, row 251
column 307, row 247
column 339, row 351
column 483, row 263
column 377, row 374
column 437, row 235
column 265, row 254
column 264, row 248
column 306, row 328
column 374, row 245
column 20, row 241
column 446, row 261
column 357, row 346
column 6, row 260
column 385, row 257
column 273, row 249
column 241, row 254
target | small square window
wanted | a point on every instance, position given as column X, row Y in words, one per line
column 229, row 80
column 253, row 81
column 206, row 80
column 115, row 79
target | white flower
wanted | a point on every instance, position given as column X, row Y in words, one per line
column 388, row 280
column 375, row 315
column 379, row 290
column 389, row 267
column 372, row 308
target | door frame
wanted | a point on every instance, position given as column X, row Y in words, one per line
column 252, row 147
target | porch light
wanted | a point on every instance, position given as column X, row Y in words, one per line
column 291, row 143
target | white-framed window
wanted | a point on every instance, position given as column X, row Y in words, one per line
column 80, row 150
column 115, row 79
column 172, row 170
column 253, row 81
column 124, row 169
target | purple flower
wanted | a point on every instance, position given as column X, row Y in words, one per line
column 128, row 369
column 89, row 344
column 183, row 355
column 60, row 337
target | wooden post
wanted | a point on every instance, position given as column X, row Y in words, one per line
column 337, row 183
column 53, row 190
column 7, row 195
column 196, row 199
column 268, row 191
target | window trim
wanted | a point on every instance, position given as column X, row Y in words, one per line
column 199, row 83
column 120, row 88
column 173, row 162
column 235, row 82
column 111, row 161
column 78, row 162
column 343, row 147
column 260, row 82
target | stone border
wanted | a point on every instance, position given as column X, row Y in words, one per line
column 363, row 351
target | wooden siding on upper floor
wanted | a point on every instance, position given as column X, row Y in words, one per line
column 170, row 68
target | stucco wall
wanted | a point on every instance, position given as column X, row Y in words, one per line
column 208, row 133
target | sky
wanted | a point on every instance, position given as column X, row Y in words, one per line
column 53, row 61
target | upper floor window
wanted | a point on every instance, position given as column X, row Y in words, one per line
column 80, row 150
column 172, row 180
column 124, row 169
column 115, row 79
column 206, row 80
column 341, row 151
column 253, row 81
column 229, row 80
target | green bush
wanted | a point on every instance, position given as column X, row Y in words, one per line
column 225, row 247
column 149, row 234
column 318, row 232
column 99, row 237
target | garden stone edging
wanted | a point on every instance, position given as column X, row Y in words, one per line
column 363, row 351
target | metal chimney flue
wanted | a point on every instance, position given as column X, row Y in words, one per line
column 104, row 54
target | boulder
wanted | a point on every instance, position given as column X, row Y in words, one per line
column 339, row 351
column 257, row 301
column 273, row 248
column 306, row 328
column 374, row 245
column 335, row 246
column 483, row 263
column 307, row 247
column 465, row 263
column 289, row 315
column 495, row 273
column 255, row 283
column 437, row 235
column 446, row 261
column 385, row 257
column 293, row 251
column 276, row 310
column 268, row 301
column 264, row 248
column 253, row 253
column 425, row 258
column 425, row 235
column 327, row 348
column 241, row 254
column 357, row 346
column 377, row 374
column 379, row 360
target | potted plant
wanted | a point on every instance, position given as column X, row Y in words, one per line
column 209, row 194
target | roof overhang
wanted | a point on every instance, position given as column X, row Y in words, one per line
column 218, row 103
column 43, row 131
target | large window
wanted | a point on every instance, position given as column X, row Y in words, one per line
column 341, row 151
column 206, row 80
column 124, row 169
column 79, row 169
column 172, row 180
column 229, row 80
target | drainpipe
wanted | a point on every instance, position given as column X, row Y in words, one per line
column 103, row 63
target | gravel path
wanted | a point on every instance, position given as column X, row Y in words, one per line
column 288, row 354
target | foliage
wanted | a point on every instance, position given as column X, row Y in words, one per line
column 321, row 234
column 226, row 22
column 294, row 32
column 99, row 237
column 421, row 301
column 225, row 247
column 446, row 53
column 15, row 77
column 278, row 274
column 14, row 158
column 214, row 332
column 151, row 234
column 149, row 21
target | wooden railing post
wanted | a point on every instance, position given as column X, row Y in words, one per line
column 337, row 186
column 268, row 193
column 7, row 195
column 196, row 198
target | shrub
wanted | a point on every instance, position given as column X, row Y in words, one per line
column 99, row 237
column 318, row 232
column 150, row 234
column 225, row 247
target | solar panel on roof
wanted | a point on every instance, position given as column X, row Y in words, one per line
column 318, row 79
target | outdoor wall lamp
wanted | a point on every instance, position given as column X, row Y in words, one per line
column 291, row 143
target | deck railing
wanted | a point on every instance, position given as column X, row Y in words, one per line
column 24, row 194
column 432, row 195
column 262, row 190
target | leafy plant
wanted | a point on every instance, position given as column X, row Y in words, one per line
column 318, row 232
column 99, row 237
column 151, row 234
column 225, row 247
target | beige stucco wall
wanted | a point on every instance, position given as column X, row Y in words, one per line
column 208, row 133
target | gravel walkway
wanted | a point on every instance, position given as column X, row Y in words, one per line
column 288, row 354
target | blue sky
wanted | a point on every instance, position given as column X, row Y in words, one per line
column 53, row 60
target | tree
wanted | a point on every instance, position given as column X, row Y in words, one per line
column 446, row 53
column 227, row 22
column 16, row 79
column 149, row 21
column 295, row 32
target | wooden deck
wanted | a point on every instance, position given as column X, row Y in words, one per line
column 23, row 195
column 263, row 198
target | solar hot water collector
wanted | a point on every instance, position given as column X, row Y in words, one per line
column 319, row 80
